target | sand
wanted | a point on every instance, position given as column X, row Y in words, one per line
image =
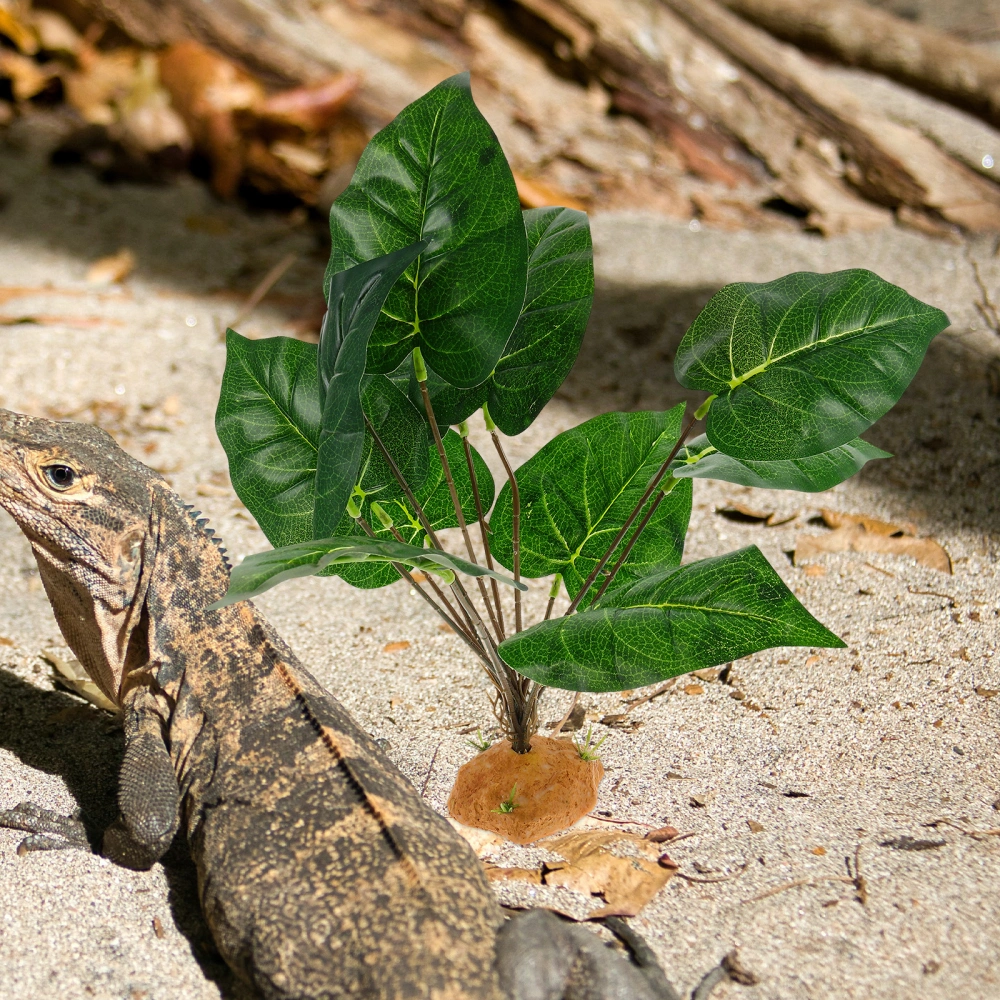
column 829, row 756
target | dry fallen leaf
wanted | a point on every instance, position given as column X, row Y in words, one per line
column 395, row 647
column 619, row 869
column 76, row 678
column 735, row 510
column 814, row 569
column 693, row 689
column 857, row 538
column 662, row 835
column 111, row 270
column 755, row 827
column 836, row 519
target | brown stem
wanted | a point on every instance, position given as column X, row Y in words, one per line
column 459, row 513
column 404, row 486
column 406, row 575
column 516, row 526
column 628, row 547
column 589, row 582
column 484, row 532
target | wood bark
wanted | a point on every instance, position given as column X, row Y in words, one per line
column 928, row 60
column 889, row 163
column 656, row 65
column 280, row 39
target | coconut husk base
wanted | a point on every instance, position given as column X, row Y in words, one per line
column 552, row 788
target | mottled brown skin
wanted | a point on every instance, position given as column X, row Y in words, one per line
column 321, row 871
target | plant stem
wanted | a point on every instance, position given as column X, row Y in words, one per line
column 628, row 547
column 406, row 575
column 589, row 582
column 516, row 526
column 404, row 486
column 553, row 594
column 484, row 532
column 419, row 369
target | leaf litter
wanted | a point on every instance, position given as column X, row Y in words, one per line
column 860, row 533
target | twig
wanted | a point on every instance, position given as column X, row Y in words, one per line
column 878, row 569
column 612, row 548
column 569, row 712
column 797, row 883
column 636, row 702
column 430, row 770
column 708, row 881
column 626, row 822
column 263, row 287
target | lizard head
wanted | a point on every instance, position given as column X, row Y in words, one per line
column 86, row 507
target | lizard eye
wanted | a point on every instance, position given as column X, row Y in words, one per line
column 60, row 477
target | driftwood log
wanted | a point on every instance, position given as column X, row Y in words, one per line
column 858, row 35
column 693, row 79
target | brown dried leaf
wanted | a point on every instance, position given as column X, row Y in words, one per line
column 856, row 538
column 693, row 689
column 113, row 269
column 396, row 647
column 620, row 868
column 835, row 519
column 755, row 827
column 537, row 194
column 735, row 510
column 662, row 835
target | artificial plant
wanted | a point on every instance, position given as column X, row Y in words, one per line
column 444, row 298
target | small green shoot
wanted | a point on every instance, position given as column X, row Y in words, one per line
column 480, row 743
column 587, row 749
column 508, row 805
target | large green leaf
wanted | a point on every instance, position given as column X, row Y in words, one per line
column 805, row 363
column 547, row 337
column 355, row 301
column 265, row 570
column 268, row 420
column 668, row 623
column 437, row 173
column 435, row 499
column 700, row 460
column 578, row 490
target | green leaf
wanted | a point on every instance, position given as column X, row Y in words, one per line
column 437, row 173
column 699, row 459
column 268, row 420
column 355, row 301
column 668, row 623
column 803, row 364
column 434, row 497
column 265, row 570
column 578, row 490
column 546, row 340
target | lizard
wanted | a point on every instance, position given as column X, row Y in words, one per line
column 322, row 873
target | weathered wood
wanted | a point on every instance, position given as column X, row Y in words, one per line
column 928, row 60
column 889, row 163
column 654, row 63
column 286, row 40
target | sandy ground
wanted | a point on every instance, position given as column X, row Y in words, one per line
column 885, row 740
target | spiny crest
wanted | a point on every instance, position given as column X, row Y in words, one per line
column 201, row 523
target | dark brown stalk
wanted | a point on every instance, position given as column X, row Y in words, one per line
column 484, row 531
column 459, row 513
column 403, row 485
column 516, row 526
column 602, row 562
column 628, row 547
column 470, row 631
column 406, row 575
